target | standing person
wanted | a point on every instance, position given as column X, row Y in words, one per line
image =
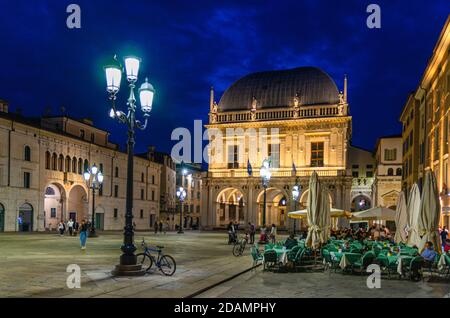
column 20, row 222
column 160, row 226
column 83, row 234
column 252, row 231
column 263, row 235
column 155, row 226
column 61, row 228
column 444, row 235
column 273, row 233
column 166, row 226
column 70, row 227
column 76, row 227
column 231, row 233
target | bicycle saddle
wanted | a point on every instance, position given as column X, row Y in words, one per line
column 158, row 246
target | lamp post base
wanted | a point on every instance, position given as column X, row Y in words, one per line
column 128, row 267
column 180, row 232
column 92, row 234
column 128, row 270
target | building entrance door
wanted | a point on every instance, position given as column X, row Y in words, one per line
column 73, row 216
column 99, row 221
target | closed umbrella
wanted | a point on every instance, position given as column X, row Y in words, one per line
column 430, row 213
column 325, row 216
column 313, row 208
column 413, row 216
column 401, row 219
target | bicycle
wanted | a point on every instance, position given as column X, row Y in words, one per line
column 239, row 246
column 165, row 263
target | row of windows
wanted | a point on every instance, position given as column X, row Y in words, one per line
column 67, row 164
column 317, row 155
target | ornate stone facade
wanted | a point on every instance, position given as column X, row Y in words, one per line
column 298, row 120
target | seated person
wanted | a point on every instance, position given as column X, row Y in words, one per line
column 291, row 241
column 429, row 253
column 447, row 246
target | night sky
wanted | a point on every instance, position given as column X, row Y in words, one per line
column 188, row 46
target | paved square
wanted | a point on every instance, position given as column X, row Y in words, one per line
column 34, row 265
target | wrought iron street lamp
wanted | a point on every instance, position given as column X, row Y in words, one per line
column 296, row 191
column 113, row 72
column 181, row 195
column 94, row 179
column 265, row 178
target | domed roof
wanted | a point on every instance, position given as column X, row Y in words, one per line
column 278, row 89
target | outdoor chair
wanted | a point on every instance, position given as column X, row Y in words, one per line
column 383, row 261
column 298, row 259
column 292, row 253
column 270, row 259
column 365, row 261
column 414, row 268
column 329, row 262
column 256, row 255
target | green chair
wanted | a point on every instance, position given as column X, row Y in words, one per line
column 256, row 255
column 383, row 261
column 292, row 253
column 365, row 261
column 298, row 259
column 330, row 263
column 270, row 259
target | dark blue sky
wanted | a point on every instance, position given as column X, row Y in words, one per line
column 187, row 46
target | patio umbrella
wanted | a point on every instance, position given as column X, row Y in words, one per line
column 401, row 219
column 334, row 213
column 313, row 208
column 377, row 213
column 430, row 213
column 413, row 215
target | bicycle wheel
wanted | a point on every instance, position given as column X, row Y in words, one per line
column 167, row 265
column 144, row 260
column 237, row 250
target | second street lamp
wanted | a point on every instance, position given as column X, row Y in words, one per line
column 296, row 190
column 94, row 179
column 265, row 178
column 128, row 262
column 181, row 195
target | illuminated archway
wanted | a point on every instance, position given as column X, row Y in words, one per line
column 230, row 206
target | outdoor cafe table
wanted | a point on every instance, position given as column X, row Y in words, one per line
column 282, row 253
column 348, row 259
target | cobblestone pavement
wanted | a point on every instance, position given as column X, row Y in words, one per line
column 34, row 265
column 324, row 285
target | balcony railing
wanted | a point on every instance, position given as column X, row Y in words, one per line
column 277, row 114
column 242, row 173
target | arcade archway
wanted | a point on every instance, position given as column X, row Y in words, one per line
column 276, row 207
column 54, row 198
column 230, row 206
column 78, row 204
column 26, row 215
column 361, row 203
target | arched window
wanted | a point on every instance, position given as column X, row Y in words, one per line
column 399, row 172
column 47, row 160
column 390, row 172
column 74, row 165
column 86, row 165
column 54, row 162
column 67, row 168
column 27, row 153
column 61, row 163
column 80, row 166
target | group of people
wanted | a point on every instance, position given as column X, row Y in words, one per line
column 376, row 232
column 73, row 228
column 161, row 227
column 265, row 236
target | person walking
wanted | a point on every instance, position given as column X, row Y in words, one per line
column 160, row 226
column 252, row 231
column 70, row 227
column 76, row 227
column 156, row 227
column 166, row 226
column 273, row 233
column 444, row 236
column 231, row 233
column 61, row 228
column 83, row 234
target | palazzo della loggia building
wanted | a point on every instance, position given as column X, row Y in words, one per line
column 301, row 121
